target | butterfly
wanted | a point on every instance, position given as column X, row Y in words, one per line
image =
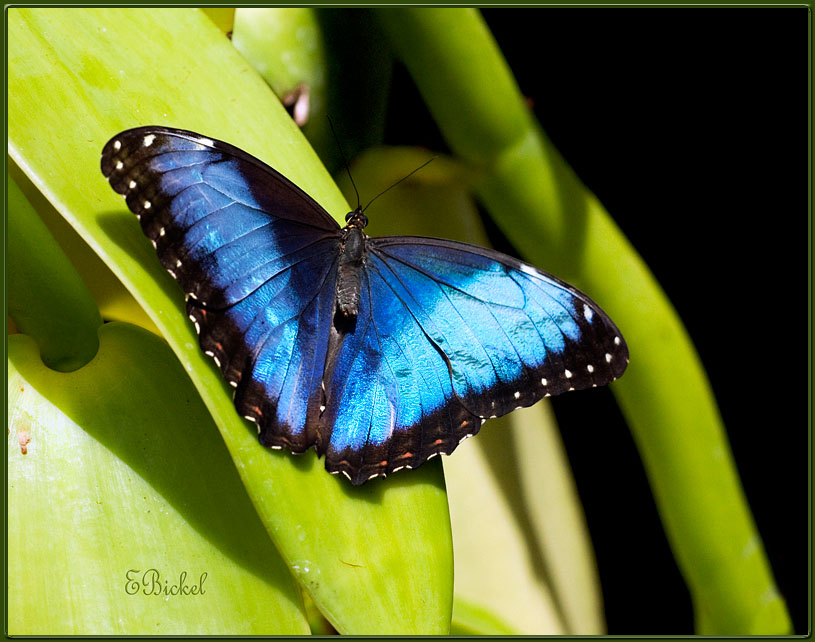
column 379, row 352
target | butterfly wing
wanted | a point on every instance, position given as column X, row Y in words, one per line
column 257, row 259
column 449, row 335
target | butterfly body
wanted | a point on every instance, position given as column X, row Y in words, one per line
column 379, row 352
column 352, row 257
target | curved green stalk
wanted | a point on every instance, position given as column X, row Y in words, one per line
column 557, row 223
column 46, row 298
column 112, row 299
column 375, row 559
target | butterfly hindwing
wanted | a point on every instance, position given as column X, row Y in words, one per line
column 256, row 257
column 391, row 402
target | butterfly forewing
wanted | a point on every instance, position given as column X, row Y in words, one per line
column 256, row 257
column 511, row 333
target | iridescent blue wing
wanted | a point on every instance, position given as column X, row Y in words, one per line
column 257, row 259
column 449, row 335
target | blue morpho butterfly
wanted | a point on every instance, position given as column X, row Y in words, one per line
column 379, row 352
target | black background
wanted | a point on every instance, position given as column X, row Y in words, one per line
column 690, row 125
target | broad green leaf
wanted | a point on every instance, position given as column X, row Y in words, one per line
column 556, row 223
column 112, row 299
column 222, row 17
column 58, row 312
column 375, row 559
column 116, row 469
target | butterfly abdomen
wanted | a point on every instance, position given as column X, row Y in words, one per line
column 348, row 272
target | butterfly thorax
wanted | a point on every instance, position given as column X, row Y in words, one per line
column 352, row 255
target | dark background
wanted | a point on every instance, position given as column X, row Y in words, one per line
column 690, row 125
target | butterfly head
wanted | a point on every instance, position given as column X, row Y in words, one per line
column 356, row 219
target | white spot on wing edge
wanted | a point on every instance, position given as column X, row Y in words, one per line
column 608, row 358
column 119, row 164
column 517, row 394
column 590, row 368
column 588, row 313
column 148, row 140
column 132, row 184
column 568, row 374
column 616, row 341
column 147, row 205
column 117, row 145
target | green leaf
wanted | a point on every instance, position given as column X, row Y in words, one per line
column 46, row 297
column 556, row 223
column 222, row 17
column 113, row 300
column 115, row 469
column 375, row 559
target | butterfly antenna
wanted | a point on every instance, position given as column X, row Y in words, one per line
column 344, row 159
column 404, row 178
